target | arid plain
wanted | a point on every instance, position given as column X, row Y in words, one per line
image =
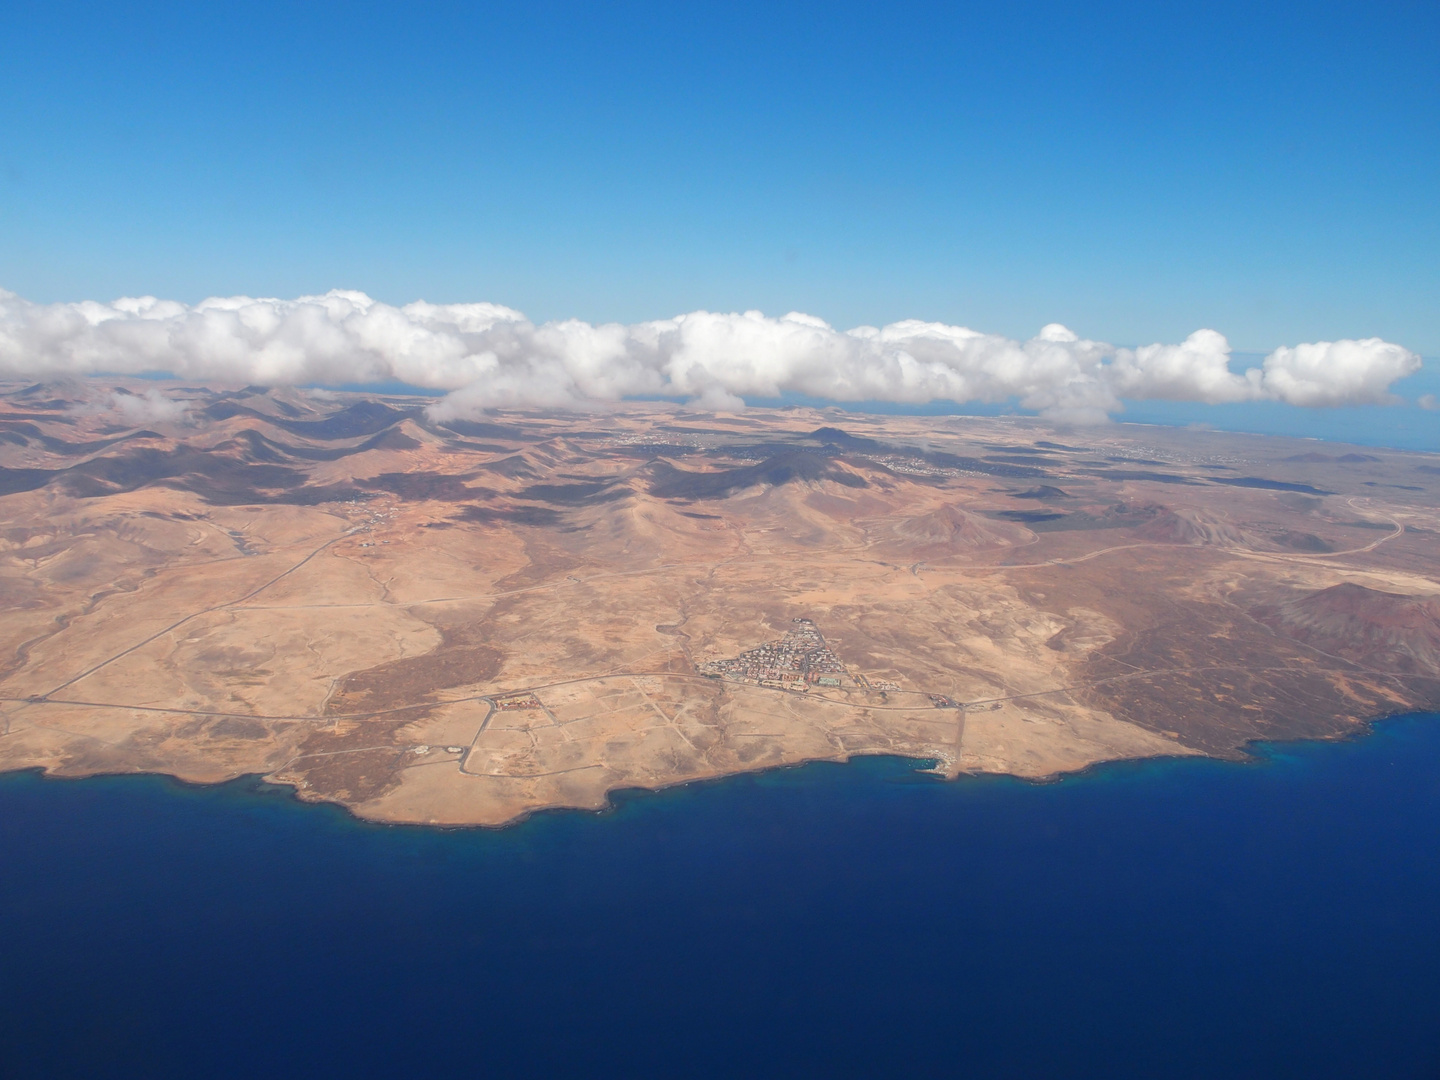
column 464, row 621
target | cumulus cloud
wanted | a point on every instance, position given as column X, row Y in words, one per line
column 491, row 356
column 1339, row 372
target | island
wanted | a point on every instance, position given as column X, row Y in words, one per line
column 461, row 620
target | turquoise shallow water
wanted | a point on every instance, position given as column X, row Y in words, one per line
column 1172, row 918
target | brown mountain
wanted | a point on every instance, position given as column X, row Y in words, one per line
column 1388, row 631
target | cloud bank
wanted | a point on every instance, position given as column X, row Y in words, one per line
column 489, row 356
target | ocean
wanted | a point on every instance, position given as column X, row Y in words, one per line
column 1177, row 918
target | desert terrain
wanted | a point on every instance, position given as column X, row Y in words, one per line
column 463, row 621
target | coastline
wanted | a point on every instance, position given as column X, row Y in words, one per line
column 1254, row 754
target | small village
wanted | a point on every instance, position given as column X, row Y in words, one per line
column 359, row 502
column 798, row 661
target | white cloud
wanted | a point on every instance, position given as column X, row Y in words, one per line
column 1427, row 402
column 718, row 399
column 488, row 355
column 1338, row 372
column 123, row 406
column 151, row 407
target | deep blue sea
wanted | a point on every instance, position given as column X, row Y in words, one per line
column 1175, row 918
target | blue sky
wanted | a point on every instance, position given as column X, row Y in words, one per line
column 1135, row 171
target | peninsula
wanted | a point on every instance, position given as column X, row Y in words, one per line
column 463, row 620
